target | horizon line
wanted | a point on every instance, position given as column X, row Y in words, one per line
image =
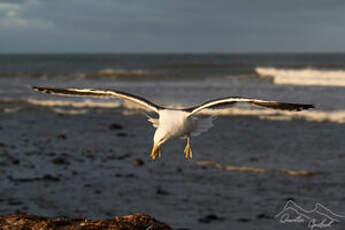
column 175, row 53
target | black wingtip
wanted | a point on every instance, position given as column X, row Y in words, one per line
column 308, row 106
column 40, row 89
column 301, row 107
column 36, row 88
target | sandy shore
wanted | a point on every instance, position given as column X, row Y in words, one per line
column 97, row 165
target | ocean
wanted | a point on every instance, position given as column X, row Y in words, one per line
column 183, row 79
column 63, row 156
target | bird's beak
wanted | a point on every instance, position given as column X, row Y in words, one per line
column 156, row 152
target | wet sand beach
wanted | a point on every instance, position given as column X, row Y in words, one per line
column 97, row 165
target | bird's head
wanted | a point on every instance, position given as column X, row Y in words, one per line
column 159, row 139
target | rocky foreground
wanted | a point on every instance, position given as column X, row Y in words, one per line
column 136, row 221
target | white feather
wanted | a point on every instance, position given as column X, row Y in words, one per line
column 174, row 124
column 203, row 125
column 154, row 121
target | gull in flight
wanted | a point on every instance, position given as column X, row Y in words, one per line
column 175, row 123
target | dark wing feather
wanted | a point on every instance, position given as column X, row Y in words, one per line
column 102, row 93
column 283, row 105
column 231, row 100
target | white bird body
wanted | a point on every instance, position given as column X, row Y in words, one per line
column 175, row 123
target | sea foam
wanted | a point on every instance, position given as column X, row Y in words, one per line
column 304, row 76
column 74, row 104
column 336, row 116
column 86, row 106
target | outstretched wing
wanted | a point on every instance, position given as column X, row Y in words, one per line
column 231, row 100
column 102, row 93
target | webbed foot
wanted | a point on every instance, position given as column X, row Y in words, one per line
column 156, row 152
column 188, row 152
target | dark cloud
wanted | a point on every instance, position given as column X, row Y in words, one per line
column 12, row 1
column 176, row 26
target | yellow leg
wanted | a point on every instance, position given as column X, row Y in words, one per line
column 188, row 151
column 156, row 152
column 160, row 153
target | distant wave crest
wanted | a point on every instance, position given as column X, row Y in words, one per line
column 304, row 76
column 119, row 73
column 103, row 73
column 336, row 116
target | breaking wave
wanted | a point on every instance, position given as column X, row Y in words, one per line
column 337, row 116
column 86, row 106
column 120, row 73
column 75, row 104
column 303, row 76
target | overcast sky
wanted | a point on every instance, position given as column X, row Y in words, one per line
column 60, row 26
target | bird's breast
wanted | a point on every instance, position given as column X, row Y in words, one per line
column 176, row 123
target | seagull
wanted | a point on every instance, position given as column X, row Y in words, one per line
column 174, row 123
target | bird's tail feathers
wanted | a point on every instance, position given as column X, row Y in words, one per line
column 154, row 121
column 204, row 124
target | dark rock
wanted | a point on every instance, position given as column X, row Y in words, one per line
column 110, row 158
column 3, row 164
column 30, row 165
column 160, row 191
column 18, row 211
column 21, row 179
column 60, row 161
column 15, row 161
column 2, row 145
column 10, row 158
column 14, row 202
column 129, row 175
column 108, row 214
column 210, row 218
column 122, row 157
column 263, row 216
column 50, row 178
column 115, row 126
column 243, row 219
column 32, row 153
column 253, row 159
column 90, row 156
column 138, row 162
column 136, row 221
column 62, row 137
column 122, row 134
